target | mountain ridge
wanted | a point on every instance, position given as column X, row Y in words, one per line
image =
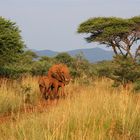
column 92, row 54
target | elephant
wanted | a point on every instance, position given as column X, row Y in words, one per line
column 58, row 76
column 60, row 72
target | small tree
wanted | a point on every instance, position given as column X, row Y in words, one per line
column 81, row 66
column 42, row 66
column 11, row 43
column 118, row 33
column 125, row 71
column 64, row 58
column 24, row 65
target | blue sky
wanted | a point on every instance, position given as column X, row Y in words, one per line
column 52, row 24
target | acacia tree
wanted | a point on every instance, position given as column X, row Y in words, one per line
column 11, row 43
column 118, row 33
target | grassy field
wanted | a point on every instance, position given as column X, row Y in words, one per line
column 94, row 111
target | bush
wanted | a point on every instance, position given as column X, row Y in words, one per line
column 125, row 70
column 11, row 72
column 64, row 58
column 137, row 86
column 40, row 68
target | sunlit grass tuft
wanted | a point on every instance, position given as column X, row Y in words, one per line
column 14, row 94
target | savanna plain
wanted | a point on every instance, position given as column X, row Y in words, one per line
column 93, row 111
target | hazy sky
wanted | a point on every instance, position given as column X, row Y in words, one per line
column 52, row 24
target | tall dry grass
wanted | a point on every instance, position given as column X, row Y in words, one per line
column 90, row 112
column 14, row 94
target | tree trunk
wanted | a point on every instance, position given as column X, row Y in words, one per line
column 114, row 49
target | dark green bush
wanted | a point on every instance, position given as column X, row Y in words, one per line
column 11, row 72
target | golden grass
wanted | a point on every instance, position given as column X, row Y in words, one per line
column 90, row 112
column 13, row 94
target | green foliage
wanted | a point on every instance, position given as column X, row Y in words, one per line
column 137, row 86
column 118, row 33
column 136, row 19
column 103, row 68
column 103, row 28
column 104, row 72
column 47, row 59
column 121, row 70
column 64, row 58
column 80, row 67
column 11, row 72
column 25, row 60
column 42, row 65
column 40, row 68
column 125, row 70
column 11, row 43
column 23, row 65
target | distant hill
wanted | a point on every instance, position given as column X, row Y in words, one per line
column 93, row 54
column 45, row 53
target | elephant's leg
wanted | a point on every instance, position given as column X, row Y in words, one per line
column 43, row 91
column 62, row 91
column 56, row 88
column 49, row 91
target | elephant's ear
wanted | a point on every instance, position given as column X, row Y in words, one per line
column 56, row 76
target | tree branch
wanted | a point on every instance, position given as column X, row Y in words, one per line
column 137, row 53
column 114, row 48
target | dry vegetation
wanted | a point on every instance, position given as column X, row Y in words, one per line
column 90, row 112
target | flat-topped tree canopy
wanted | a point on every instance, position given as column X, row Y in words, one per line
column 119, row 33
column 135, row 19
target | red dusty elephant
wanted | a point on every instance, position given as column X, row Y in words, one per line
column 44, row 85
column 58, row 76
